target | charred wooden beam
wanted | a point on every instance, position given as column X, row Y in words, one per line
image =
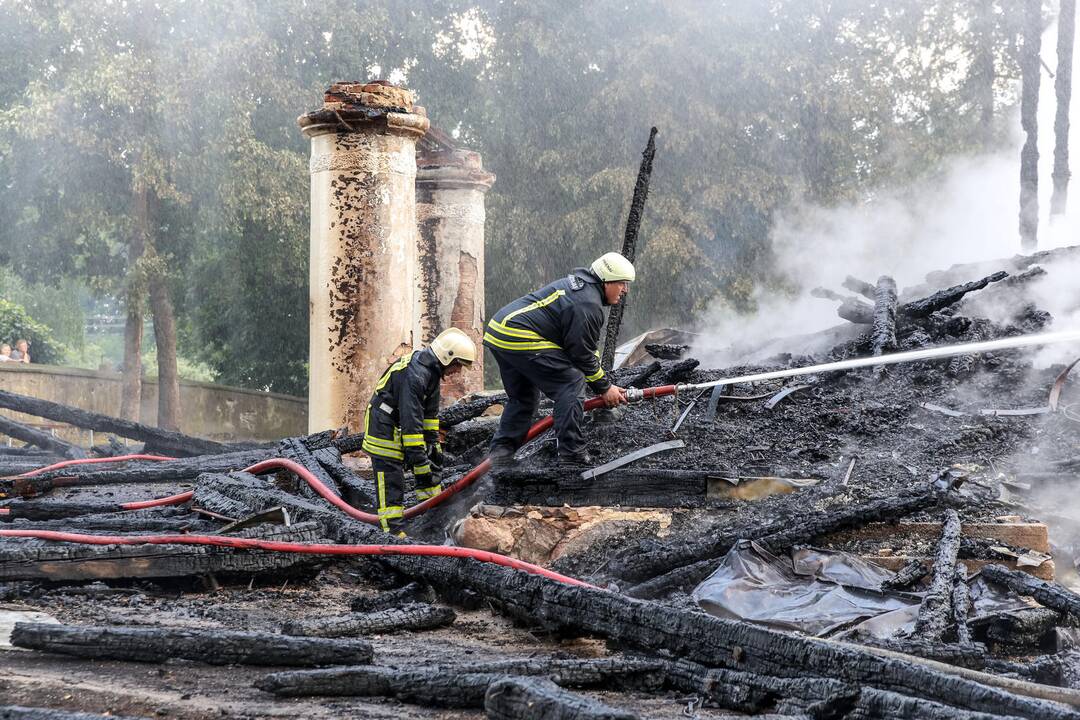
column 855, row 285
column 373, row 681
column 135, row 472
column 530, row 698
column 217, row 505
column 935, row 612
column 165, row 441
column 43, row 440
column 1022, row 629
column 214, row 647
column 44, row 510
column 464, row 410
column 1024, row 277
column 645, row 487
column 744, row 692
column 944, row 298
column 636, row 376
column 676, row 371
column 826, row 294
column 629, row 246
column 10, row 466
column 294, row 449
column 414, row 616
column 1045, row 669
column 873, row 703
column 1051, row 595
column 961, row 605
column 345, row 444
column 862, row 313
column 137, row 521
column 666, row 351
column 883, row 332
column 18, row 712
column 636, row 564
column 27, row 451
column 854, row 310
column 356, row 491
column 906, row 576
column 412, row 593
column 427, row 687
column 656, row 628
column 29, row 559
column 974, row 656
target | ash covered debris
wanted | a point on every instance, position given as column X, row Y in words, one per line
column 871, row 474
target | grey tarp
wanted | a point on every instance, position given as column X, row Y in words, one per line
column 801, row 594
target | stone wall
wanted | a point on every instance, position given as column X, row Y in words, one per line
column 212, row 411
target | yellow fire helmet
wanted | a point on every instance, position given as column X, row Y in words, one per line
column 613, row 267
column 453, row 344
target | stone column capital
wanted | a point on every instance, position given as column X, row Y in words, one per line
column 452, row 169
column 373, row 107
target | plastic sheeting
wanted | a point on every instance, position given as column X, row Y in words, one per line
column 803, row 593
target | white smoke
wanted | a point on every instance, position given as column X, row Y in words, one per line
column 969, row 213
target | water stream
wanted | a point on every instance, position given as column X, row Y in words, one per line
column 973, row 348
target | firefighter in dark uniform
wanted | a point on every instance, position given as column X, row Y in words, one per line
column 401, row 426
column 547, row 342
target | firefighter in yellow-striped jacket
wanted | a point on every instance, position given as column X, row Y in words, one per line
column 401, row 427
column 548, row 341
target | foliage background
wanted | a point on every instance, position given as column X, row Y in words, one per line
column 759, row 104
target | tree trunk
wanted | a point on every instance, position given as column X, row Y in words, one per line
column 131, row 383
column 1029, row 106
column 1063, row 91
column 168, row 415
column 982, row 67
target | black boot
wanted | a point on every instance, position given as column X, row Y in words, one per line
column 580, row 457
column 501, row 456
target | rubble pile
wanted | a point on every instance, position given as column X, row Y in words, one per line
column 856, row 544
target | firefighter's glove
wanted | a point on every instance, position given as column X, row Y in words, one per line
column 436, row 457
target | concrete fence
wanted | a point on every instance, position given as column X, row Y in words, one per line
column 211, row 411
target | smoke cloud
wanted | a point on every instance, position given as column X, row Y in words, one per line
column 968, row 213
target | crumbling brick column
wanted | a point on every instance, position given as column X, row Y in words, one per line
column 450, row 189
column 363, row 244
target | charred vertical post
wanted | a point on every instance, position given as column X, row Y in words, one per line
column 936, row 609
column 961, row 605
column 1029, row 105
column 363, row 244
column 629, row 248
column 883, row 335
column 450, row 189
column 1063, row 92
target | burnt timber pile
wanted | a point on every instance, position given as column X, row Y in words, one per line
column 921, row 493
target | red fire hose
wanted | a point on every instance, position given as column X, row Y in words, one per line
column 289, row 547
column 92, row 461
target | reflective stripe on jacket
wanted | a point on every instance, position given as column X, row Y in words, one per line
column 565, row 316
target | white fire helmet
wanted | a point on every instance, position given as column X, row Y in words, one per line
column 453, row 344
column 613, row 267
